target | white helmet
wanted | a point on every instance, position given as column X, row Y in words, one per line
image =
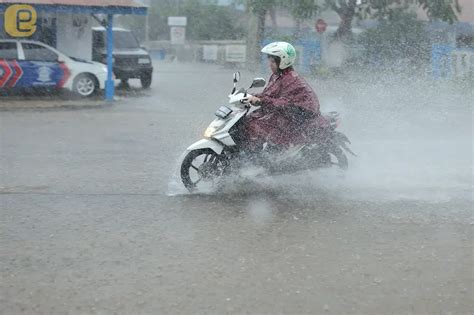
column 285, row 51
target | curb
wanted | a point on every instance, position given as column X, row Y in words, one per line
column 25, row 105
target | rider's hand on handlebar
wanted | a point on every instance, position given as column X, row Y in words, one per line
column 253, row 100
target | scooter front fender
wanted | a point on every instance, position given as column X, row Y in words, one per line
column 206, row 144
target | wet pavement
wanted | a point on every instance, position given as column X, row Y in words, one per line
column 94, row 220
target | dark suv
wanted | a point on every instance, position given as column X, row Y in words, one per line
column 130, row 60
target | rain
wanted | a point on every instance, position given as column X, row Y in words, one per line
column 139, row 175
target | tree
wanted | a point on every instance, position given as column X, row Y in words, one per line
column 257, row 11
column 211, row 22
column 206, row 20
column 444, row 10
column 346, row 9
column 401, row 38
column 158, row 14
column 300, row 10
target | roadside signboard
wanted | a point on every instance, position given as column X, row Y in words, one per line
column 178, row 35
column 177, row 29
column 235, row 53
column 177, row 21
column 20, row 20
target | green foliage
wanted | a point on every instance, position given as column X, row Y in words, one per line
column 158, row 17
column 382, row 10
column 258, row 7
column 399, row 34
column 206, row 21
column 299, row 9
column 339, row 6
column 400, row 37
column 209, row 21
column 444, row 10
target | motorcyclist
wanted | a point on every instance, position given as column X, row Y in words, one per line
column 289, row 106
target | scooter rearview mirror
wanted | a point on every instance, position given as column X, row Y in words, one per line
column 236, row 77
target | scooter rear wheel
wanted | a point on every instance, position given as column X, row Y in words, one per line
column 340, row 156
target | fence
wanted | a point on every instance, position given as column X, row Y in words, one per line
column 232, row 51
column 447, row 61
column 463, row 63
column 224, row 51
column 450, row 62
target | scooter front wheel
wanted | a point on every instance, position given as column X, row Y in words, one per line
column 202, row 167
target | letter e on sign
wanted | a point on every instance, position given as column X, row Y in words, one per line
column 20, row 20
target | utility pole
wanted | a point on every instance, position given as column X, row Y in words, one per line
column 253, row 38
column 252, row 44
column 147, row 22
column 147, row 30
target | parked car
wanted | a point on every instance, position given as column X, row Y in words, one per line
column 29, row 64
column 130, row 60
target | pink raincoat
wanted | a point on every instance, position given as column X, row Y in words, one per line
column 289, row 113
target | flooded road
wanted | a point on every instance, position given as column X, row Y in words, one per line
column 94, row 220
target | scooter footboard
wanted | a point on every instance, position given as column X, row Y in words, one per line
column 206, row 144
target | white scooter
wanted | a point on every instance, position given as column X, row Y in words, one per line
column 221, row 150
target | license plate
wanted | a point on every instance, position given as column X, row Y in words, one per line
column 143, row 61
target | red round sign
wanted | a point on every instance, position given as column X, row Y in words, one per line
column 321, row 26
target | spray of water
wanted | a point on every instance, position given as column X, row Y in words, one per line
column 413, row 137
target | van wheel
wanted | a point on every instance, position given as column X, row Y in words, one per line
column 145, row 79
column 85, row 85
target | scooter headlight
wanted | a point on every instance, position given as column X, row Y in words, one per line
column 210, row 131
